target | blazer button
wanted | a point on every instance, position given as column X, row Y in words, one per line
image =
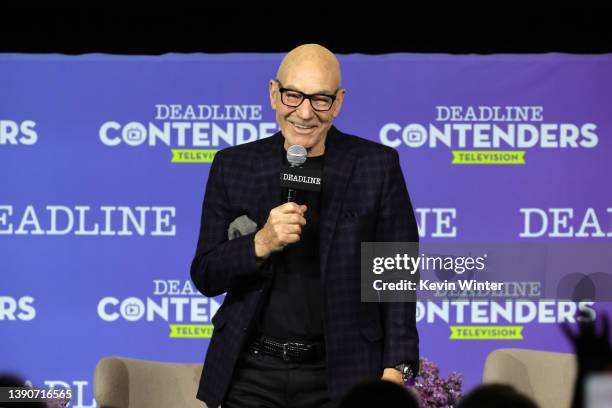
column 244, row 329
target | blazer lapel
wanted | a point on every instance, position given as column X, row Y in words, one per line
column 268, row 165
column 339, row 162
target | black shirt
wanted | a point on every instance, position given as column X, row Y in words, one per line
column 293, row 310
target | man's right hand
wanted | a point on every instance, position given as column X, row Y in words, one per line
column 283, row 227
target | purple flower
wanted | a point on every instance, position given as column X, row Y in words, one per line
column 434, row 391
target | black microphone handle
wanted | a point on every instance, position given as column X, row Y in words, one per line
column 291, row 195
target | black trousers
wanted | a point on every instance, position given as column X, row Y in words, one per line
column 263, row 381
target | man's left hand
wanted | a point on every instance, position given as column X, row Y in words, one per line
column 393, row 375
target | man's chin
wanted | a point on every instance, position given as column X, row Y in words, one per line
column 302, row 140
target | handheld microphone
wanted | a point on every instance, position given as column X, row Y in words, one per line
column 296, row 156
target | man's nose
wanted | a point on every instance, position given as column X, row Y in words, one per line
column 305, row 110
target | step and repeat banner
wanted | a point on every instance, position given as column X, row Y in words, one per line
column 104, row 160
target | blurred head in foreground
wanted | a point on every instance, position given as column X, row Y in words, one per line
column 378, row 393
column 496, row 395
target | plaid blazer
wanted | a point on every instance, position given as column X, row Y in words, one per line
column 363, row 198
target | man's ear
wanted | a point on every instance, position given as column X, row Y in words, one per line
column 273, row 94
column 338, row 102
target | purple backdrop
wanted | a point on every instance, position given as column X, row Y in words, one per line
column 99, row 213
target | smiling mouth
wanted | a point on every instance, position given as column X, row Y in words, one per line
column 300, row 126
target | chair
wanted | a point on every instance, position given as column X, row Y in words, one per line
column 129, row 383
column 546, row 377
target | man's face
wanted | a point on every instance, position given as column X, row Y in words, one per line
column 304, row 125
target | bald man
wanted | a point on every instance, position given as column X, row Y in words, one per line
column 292, row 331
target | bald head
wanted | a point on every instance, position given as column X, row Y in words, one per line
column 311, row 57
column 307, row 73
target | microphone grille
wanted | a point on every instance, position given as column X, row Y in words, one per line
column 296, row 155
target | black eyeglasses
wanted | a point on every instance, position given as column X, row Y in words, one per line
column 293, row 98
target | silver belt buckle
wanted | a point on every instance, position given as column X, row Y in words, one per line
column 285, row 357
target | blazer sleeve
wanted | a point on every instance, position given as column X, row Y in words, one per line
column 221, row 265
column 397, row 223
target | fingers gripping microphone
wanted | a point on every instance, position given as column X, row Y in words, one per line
column 296, row 156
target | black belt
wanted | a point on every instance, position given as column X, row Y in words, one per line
column 290, row 351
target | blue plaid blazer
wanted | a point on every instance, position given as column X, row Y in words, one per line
column 364, row 198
